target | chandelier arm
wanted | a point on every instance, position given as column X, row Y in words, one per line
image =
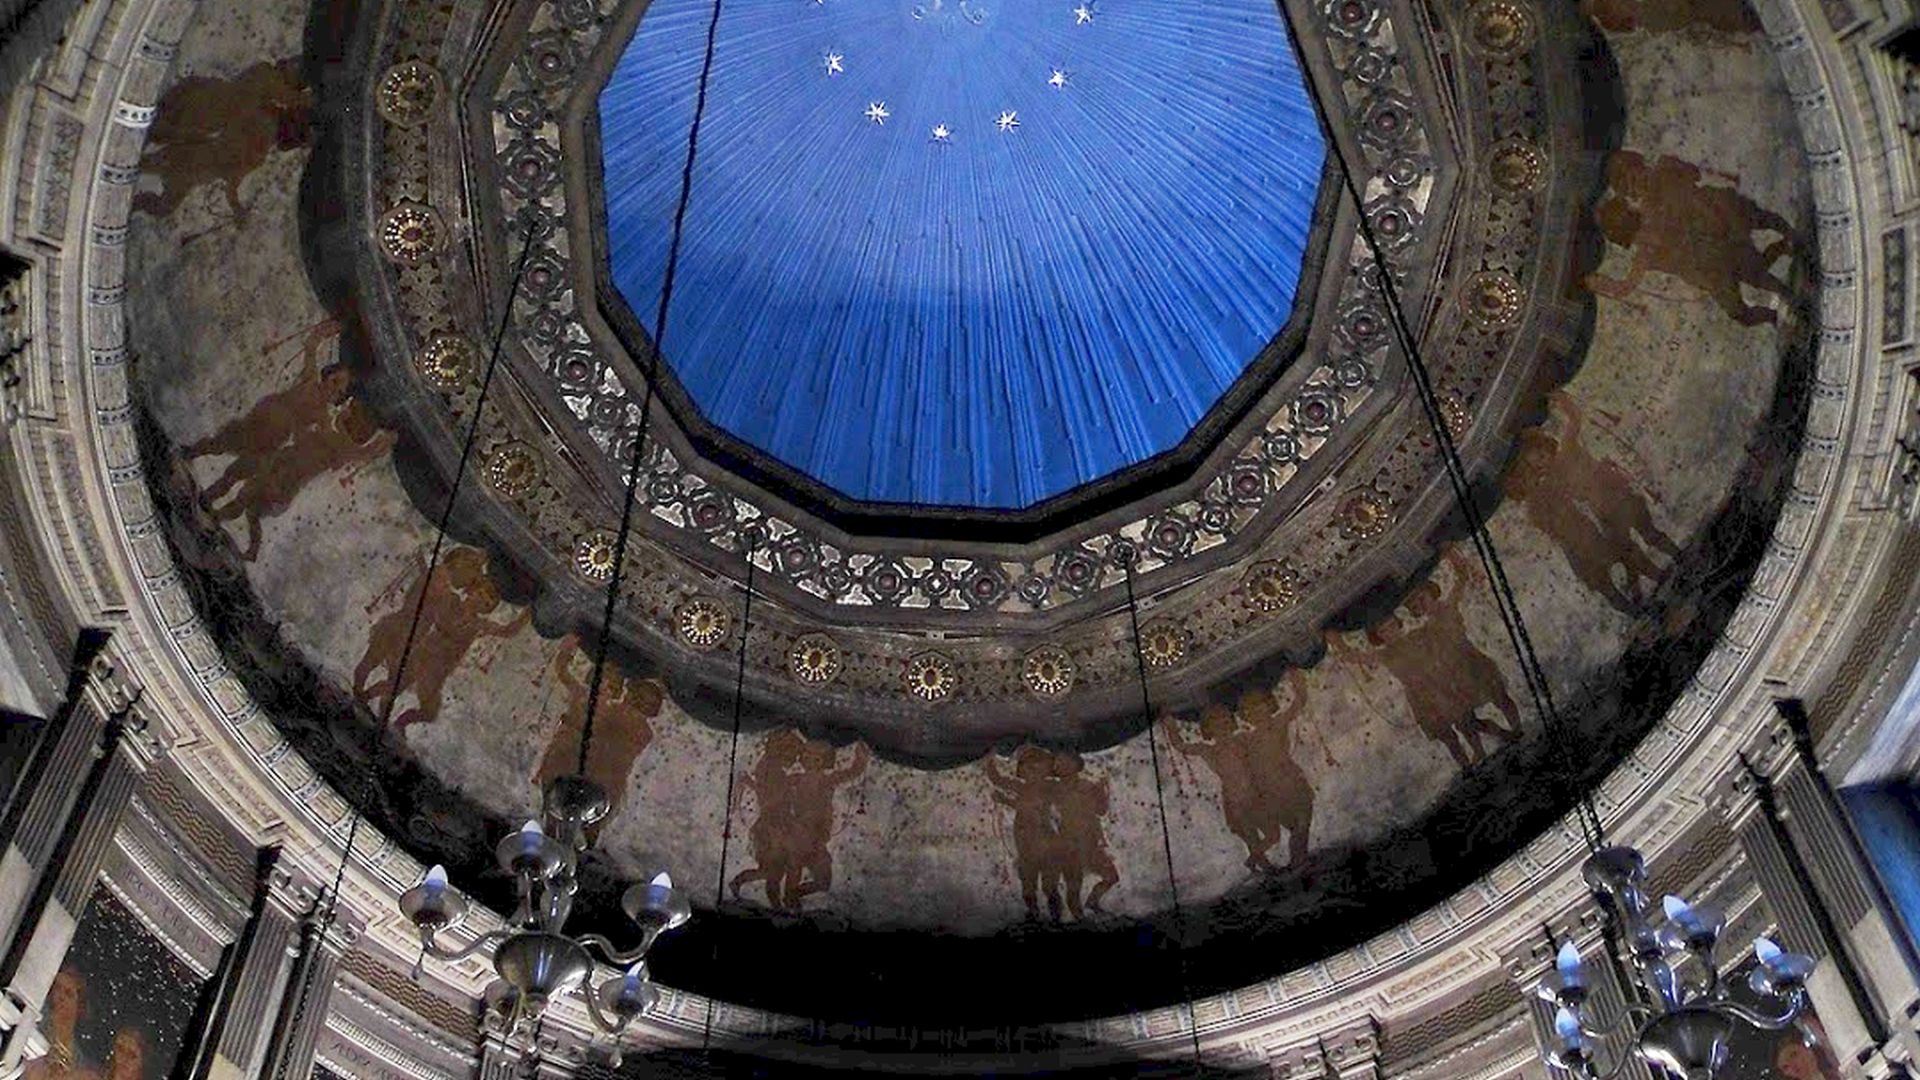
column 1708, row 990
column 435, row 950
column 1632, row 1013
column 615, row 1028
column 615, row 956
column 1713, row 987
column 1796, row 1005
column 1660, row 980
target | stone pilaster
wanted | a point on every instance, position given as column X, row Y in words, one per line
column 232, row 1042
column 39, row 814
column 33, row 817
column 1824, row 899
column 66, row 838
column 323, row 941
column 1844, row 878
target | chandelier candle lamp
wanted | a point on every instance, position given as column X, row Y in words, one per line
column 1681, row 1027
column 537, row 962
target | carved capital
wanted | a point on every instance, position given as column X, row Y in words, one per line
column 1349, row 1052
column 1304, row 1062
column 287, row 893
column 1353, row 1052
column 337, row 929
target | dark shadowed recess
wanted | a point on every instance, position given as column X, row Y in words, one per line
column 748, row 1065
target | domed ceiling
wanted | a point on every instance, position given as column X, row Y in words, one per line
column 948, row 789
column 960, row 253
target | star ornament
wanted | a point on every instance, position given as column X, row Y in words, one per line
column 1083, row 15
column 1057, row 80
column 877, row 112
column 836, row 63
column 942, row 133
column 1007, row 121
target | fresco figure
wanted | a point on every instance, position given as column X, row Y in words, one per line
column 460, row 602
column 1264, row 796
column 1721, row 18
column 1446, row 678
column 1590, row 507
column 289, row 438
column 793, row 786
column 218, row 131
column 1058, row 837
column 622, row 727
column 128, row 1058
column 129, row 1048
column 1671, row 222
column 65, row 1003
column 121, row 1005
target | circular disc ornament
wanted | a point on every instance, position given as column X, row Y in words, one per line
column 407, row 93
column 1273, row 586
column 513, row 469
column 931, row 677
column 1048, row 671
column 448, row 361
column 1164, row 644
column 593, row 555
column 814, row 658
column 702, row 622
column 1365, row 515
column 410, row 233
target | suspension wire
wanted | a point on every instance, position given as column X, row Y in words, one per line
column 1166, row 831
column 1505, row 599
column 733, row 760
column 396, row 681
column 637, row 461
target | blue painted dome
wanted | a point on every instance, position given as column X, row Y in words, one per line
column 964, row 253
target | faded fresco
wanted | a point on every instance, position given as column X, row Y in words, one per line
column 1266, row 799
column 120, row 1005
column 1296, row 793
column 455, row 603
column 792, row 790
column 622, row 724
column 1731, row 18
column 1056, row 811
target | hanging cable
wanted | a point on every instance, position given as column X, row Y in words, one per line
column 1505, row 600
column 636, row 466
column 637, row 460
column 396, row 681
column 733, row 761
column 1166, row 830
